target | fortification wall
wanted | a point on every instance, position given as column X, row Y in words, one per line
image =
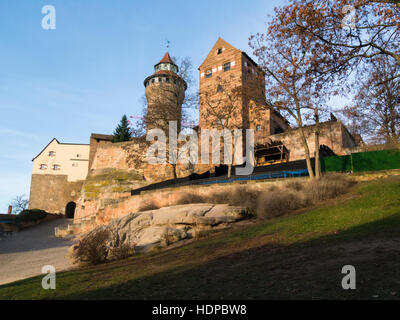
column 333, row 134
column 117, row 168
column 53, row 192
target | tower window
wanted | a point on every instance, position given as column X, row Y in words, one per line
column 52, row 153
column 227, row 66
column 43, row 167
column 219, row 88
column 258, row 128
column 219, row 51
column 209, row 73
column 56, row 167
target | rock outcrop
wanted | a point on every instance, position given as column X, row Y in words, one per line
column 143, row 231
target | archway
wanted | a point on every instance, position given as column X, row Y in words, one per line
column 70, row 210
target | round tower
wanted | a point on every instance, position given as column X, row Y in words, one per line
column 165, row 92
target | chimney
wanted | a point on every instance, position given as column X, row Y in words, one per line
column 9, row 209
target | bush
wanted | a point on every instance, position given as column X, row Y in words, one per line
column 92, row 248
column 122, row 252
column 31, row 215
column 276, row 203
column 147, row 205
column 295, row 185
column 275, row 200
column 328, row 187
column 186, row 198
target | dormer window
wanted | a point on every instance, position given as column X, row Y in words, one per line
column 52, row 153
column 209, row 73
column 43, row 167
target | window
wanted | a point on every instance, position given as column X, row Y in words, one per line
column 74, row 164
column 227, row 66
column 219, row 88
column 43, row 167
column 52, row 153
column 209, row 73
column 56, row 167
column 219, row 51
column 78, row 155
column 258, row 128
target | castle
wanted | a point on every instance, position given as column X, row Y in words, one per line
column 81, row 180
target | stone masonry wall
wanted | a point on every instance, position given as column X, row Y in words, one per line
column 333, row 134
column 53, row 192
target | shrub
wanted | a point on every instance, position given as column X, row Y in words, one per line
column 92, row 247
column 329, row 186
column 122, row 252
column 276, row 203
column 31, row 215
column 295, row 185
column 188, row 197
column 147, row 205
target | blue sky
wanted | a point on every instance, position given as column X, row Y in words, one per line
column 80, row 78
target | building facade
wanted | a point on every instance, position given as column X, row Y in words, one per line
column 57, row 176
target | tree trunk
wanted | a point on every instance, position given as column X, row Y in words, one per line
column 174, row 170
column 317, row 164
column 229, row 170
column 307, row 154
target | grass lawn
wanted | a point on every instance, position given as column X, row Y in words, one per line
column 295, row 257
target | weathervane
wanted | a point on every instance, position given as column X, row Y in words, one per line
column 168, row 42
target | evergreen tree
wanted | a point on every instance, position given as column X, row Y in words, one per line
column 122, row 132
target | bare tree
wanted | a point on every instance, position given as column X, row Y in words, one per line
column 297, row 87
column 19, row 203
column 345, row 32
column 375, row 112
column 222, row 107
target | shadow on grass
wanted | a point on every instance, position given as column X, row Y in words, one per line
column 308, row 270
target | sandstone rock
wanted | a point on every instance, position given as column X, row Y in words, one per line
column 162, row 227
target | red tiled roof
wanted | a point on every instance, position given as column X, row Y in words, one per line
column 167, row 58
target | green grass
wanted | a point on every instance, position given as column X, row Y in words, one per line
column 297, row 256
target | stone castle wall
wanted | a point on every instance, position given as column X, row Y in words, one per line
column 333, row 134
column 53, row 192
column 118, row 168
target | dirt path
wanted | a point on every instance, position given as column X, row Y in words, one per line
column 24, row 253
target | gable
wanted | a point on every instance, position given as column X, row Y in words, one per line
column 54, row 140
column 221, row 43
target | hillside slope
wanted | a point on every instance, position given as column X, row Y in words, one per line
column 299, row 256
